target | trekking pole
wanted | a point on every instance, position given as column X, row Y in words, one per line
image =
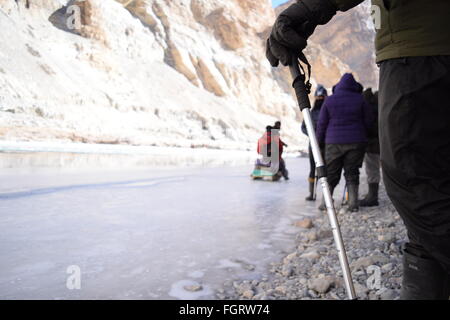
column 302, row 89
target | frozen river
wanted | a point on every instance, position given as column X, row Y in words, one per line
column 143, row 234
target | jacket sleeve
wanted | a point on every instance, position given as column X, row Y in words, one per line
column 344, row 5
column 322, row 124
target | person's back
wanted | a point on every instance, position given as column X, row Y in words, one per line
column 345, row 116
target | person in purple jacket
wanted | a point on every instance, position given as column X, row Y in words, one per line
column 344, row 122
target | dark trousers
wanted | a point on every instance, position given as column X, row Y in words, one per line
column 344, row 156
column 414, row 123
column 283, row 169
column 312, row 164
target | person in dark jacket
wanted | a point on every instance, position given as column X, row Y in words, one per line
column 413, row 52
column 372, row 157
column 344, row 122
column 320, row 95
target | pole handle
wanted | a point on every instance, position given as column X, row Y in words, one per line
column 301, row 89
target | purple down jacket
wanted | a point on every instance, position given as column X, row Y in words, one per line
column 345, row 117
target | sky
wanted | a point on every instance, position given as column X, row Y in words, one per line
column 276, row 3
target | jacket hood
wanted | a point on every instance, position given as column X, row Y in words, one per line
column 348, row 83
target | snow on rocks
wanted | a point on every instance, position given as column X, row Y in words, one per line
column 373, row 239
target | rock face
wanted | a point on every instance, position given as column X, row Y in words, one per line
column 156, row 72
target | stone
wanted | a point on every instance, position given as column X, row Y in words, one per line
column 388, row 237
column 248, row 294
column 281, row 289
column 260, row 296
column 387, row 294
column 289, row 258
column 361, row 291
column 248, row 267
column 311, row 255
column 193, row 288
column 387, row 267
column 364, row 262
column 287, row 271
column 323, row 234
column 312, row 236
column 321, row 285
column 305, row 223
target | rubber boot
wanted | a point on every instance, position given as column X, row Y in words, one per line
column 312, row 185
column 423, row 279
column 353, row 205
column 371, row 199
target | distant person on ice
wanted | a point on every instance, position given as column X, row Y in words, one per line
column 320, row 96
column 271, row 136
column 277, row 126
column 413, row 52
column 372, row 158
column 344, row 122
column 283, row 169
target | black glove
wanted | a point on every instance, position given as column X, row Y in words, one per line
column 294, row 26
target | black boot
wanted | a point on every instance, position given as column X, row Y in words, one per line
column 353, row 205
column 423, row 279
column 312, row 185
column 371, row 199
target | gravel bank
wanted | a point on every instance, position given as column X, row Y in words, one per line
column 373, row 238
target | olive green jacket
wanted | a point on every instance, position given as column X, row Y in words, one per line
column 409, row 28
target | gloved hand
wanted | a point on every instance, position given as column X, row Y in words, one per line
column 294, row 26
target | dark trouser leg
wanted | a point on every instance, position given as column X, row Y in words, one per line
column 353, row 160
column 283, row 169
column 415, row 151
column 334, row 160
column 424, row 278
column 312, row 176
column 312, row 164
column 372, row 164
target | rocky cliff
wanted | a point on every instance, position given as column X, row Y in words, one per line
column 154, row 72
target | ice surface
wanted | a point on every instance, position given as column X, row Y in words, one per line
column 143, row 234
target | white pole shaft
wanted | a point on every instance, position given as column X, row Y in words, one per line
column 330, row 207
